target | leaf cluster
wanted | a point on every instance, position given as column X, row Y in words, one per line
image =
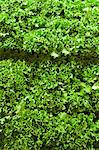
column 49, row 26
column 48, row 106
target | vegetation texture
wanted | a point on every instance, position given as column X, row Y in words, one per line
column 46, row 103
column 44, row 26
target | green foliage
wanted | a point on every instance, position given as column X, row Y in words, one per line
column 51, row 104
column 64, row 26
column 48, row 106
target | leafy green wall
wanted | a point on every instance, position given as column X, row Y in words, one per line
column 46, row 103
column 44, row 26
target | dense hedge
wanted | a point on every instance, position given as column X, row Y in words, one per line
column 46, row 26
column 48, row 105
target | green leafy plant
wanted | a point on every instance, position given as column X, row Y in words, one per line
column 49, row 26
column 48, row 106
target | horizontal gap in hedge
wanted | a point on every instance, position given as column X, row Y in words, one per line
column 82, row 59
